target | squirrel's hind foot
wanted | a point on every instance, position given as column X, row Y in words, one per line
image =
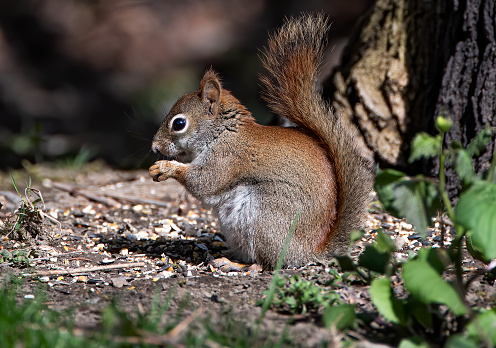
column 226, row 265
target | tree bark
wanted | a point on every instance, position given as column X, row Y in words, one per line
column 411, row 61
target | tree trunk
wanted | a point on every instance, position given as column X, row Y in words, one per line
column 410, row 61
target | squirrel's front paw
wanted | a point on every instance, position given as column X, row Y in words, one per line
column 162, row 170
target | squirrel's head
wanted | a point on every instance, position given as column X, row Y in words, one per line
column 196, row 119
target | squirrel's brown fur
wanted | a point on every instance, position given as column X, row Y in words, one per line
column 292, row 60
column 258, row 178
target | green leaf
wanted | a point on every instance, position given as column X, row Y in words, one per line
column 342, row 316
column 374, row 260
column 384, row 243
column 414, row 342
column 388, row 176
column 479, row 142
column 415, row 199
column 385, row 182
column 385, row 302
column 483, row 328
column 463, row 165
column 355, row 236
column 291, row 302
column 427, row 286
column 433, row 257
column 425, row 146
column 15, row 185
column 419, row 201
column 476, row 211
column 459, row 341
column 420, row 311
column 456, row 145
column 345, row 263
column 476, row 254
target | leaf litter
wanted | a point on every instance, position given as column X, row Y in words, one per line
column 104, row 238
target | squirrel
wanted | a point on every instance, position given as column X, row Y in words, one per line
column 258, row 179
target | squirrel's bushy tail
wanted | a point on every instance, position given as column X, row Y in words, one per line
column 292, row 60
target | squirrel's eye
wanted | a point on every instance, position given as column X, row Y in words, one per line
column 179, row 123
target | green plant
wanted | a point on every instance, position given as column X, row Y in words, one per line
column 270, row 293
column 76, row 161
column 376, row 259
column 301, row 296
column 298, row 296
column 31, row 323
column 28, row 141
column 17, row 257
column 436, row 308
column 26, row 220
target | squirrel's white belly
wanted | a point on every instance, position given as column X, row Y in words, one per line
column 237, row 212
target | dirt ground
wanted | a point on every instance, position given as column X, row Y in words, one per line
column 118, row 236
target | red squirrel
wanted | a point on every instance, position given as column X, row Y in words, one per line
column 257, row 178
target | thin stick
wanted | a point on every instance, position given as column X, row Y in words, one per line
column 49, row 257
column 183, row 325
column 149, row 339
column 90, row 269
column 169, row 338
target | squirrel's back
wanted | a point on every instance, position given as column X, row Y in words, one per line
column 292, row 60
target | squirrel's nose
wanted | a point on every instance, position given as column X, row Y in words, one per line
column 155, row 146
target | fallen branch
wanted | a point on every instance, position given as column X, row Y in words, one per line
column 11, row 197
column 137, row 200
column 89, row 269
column 89, row 195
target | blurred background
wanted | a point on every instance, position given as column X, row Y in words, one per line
column 84, row 80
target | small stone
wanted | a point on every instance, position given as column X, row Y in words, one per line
column 119, row 282
column 89, row 210
column 165, row 274
column 95, row 281
column 400, row 242
column 202, row 246
column 142, row 235
column 77, row 213
column 163, row 230
column 137, row 208
column 99, row 247
column 107, row 261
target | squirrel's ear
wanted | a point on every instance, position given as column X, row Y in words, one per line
column 210, row 90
